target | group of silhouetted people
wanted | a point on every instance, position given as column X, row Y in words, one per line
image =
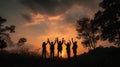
column 59, row 47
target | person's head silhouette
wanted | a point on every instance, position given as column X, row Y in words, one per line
column 43, row 42
column 75, row 42
column 59, row 41
column 67, row 42
column 51, row 42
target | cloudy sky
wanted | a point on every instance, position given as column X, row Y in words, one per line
column 38, row 20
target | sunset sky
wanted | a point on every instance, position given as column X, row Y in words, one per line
column 38, row 20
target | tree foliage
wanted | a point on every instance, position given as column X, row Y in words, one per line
column 21, row 41
column 5, row 30
column 104, row 26
column 87, row 33
column 107, row 21
column 3, row 44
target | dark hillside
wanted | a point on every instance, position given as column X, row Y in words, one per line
column 100, row 57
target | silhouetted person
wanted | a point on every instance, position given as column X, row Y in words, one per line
column 51, row 48
column 59, row 47
column 68, row 48
column 74, row 48
column 44, row 49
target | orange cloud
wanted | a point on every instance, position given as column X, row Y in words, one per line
column 36, row 19
column 56, row 18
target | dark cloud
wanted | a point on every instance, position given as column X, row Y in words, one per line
column 75, row 14
column 49, row 7
column 91, row 4
column 27, row 17
column 55, row 7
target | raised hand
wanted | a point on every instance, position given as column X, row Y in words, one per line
column 72, row 39
column 56, row 38
column 48, row 40
column 62, row 39
column 69, row 41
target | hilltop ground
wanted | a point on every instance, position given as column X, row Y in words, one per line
column 100, row 57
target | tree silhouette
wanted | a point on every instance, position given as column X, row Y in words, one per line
column 3, row 44
column 21, row 41
column 107, row 21
column 86, row 31
column 20, row 44
column 5, row 30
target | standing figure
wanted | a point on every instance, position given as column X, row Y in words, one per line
column 59, row 47
column 74, row 48
column 44, row 49
column 68, row 48
column 51, row 48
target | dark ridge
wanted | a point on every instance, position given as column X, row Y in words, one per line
column 99, row 57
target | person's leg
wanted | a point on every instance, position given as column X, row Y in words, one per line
column 61, row 53
column 75, row 53
column 58, row 53
column 45, row 54
column 53, row 54
column 68, row 54
column 42, row 53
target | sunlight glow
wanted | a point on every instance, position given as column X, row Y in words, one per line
column 62, row 54
column 53, row 28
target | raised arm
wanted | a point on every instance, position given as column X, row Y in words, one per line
column 55, row 41
column 62, row 40
column 72, row 40
column 48, row 41
column 65, row 42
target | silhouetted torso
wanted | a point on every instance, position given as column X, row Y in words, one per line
column 44, row 50
column 52, row 50
column 59, row 48
column 68, row 49
column 74, row 48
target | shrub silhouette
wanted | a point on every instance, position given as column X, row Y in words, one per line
column 3, row 44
